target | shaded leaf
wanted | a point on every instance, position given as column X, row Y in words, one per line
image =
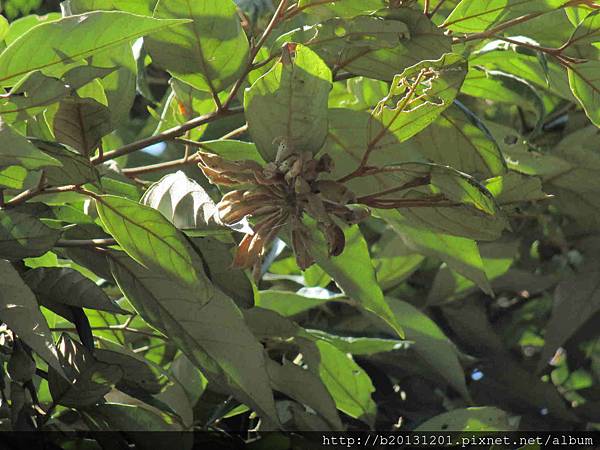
column 20, row 311
column 65, row 286
column 81, row 123
column 15, row 149
column 303, row 386
column 23, row 235
column 212, row 334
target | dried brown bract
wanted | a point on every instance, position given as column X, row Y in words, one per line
column 276, row 196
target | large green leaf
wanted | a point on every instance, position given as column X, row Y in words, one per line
column 346, row 381
column 23, row 235
column 181, row 200
column 374, row 46
column 212, row 334
column 65, row 286
column 585, row 84
column 88, row 380
column 459, row 253
column 353, row 271
column 345, row 8
column 15, row 149
column 479, row 15
column 209, row 52
column 20, row 311
column 45, row 46
column 288, row 105
column 418, row 96
column 153, row 241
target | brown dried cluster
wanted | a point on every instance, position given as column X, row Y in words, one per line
column 277, row 195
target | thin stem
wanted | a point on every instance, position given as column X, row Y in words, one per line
column 426, row 8
column 437, row 7
column 235, row 133
column 503, row 26
column 168, row 135
column 413, row 183
column 277, row 18
column 135, row 171
column 33, row 192
column 371, row 146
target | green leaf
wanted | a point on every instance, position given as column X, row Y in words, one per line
column 576, row 300
column 23, row 235
column 23, row 24
column 141, row 423
column 431, row 344
column 461, row 254
column 496, row 86
column 433, row 87
column 183, row 201
column 209, row 52
column 148, row 237
column 3, row 27
column 88, row 380
column 74, row 168
column 81, row 123
column 374, row 46
column 360, row 345
column 459, row 139
column 20, row 312
column 287, row 303
column 305, row 387
column 217, row 259
column 472, row 16
column 233, row 150
column 585, row 84
column 435, row 197
column 353, row 271
column 13, row 177
column 15, row 149
column 65, row 286
column 137, row 374
column 486, row 418
column 212, row 334
column 515, row 188
column 526, row 64
column 288, row 105
column 584, row 40
column 88, row 34
column 141, row 7
column 346, row 381
column 36, row 90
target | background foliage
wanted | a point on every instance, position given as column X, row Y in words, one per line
column 422, row 180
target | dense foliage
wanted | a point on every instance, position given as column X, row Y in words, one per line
column 300, row 215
